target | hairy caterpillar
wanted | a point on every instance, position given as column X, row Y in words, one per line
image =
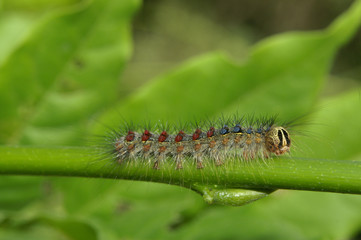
column 238, row 138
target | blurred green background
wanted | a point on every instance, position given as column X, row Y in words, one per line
column 67, row 68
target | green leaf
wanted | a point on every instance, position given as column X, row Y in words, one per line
column 17, row 192
column 283, row 75
column 72, row 229
column 285, row 215
column 13, row 27
column 34, row 5
column 334, row 131
column 49, row 226
column 117, row 207
column 69, row 69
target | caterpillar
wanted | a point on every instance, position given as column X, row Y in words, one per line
column 239, row 138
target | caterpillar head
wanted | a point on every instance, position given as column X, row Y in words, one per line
column 278, row 140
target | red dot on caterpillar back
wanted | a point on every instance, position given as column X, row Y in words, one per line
column 196, row 134
column 146, row 135
column 163, row 136
column 130, row 136
column 210, row 132
column 179, row 136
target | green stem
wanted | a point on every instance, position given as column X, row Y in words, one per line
column 279, row 173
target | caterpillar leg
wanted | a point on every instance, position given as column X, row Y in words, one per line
column 179, row 162
column 156, row 165
column 219, row 161
column 199, row 161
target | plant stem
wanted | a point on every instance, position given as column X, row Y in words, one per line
column 341, row 176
